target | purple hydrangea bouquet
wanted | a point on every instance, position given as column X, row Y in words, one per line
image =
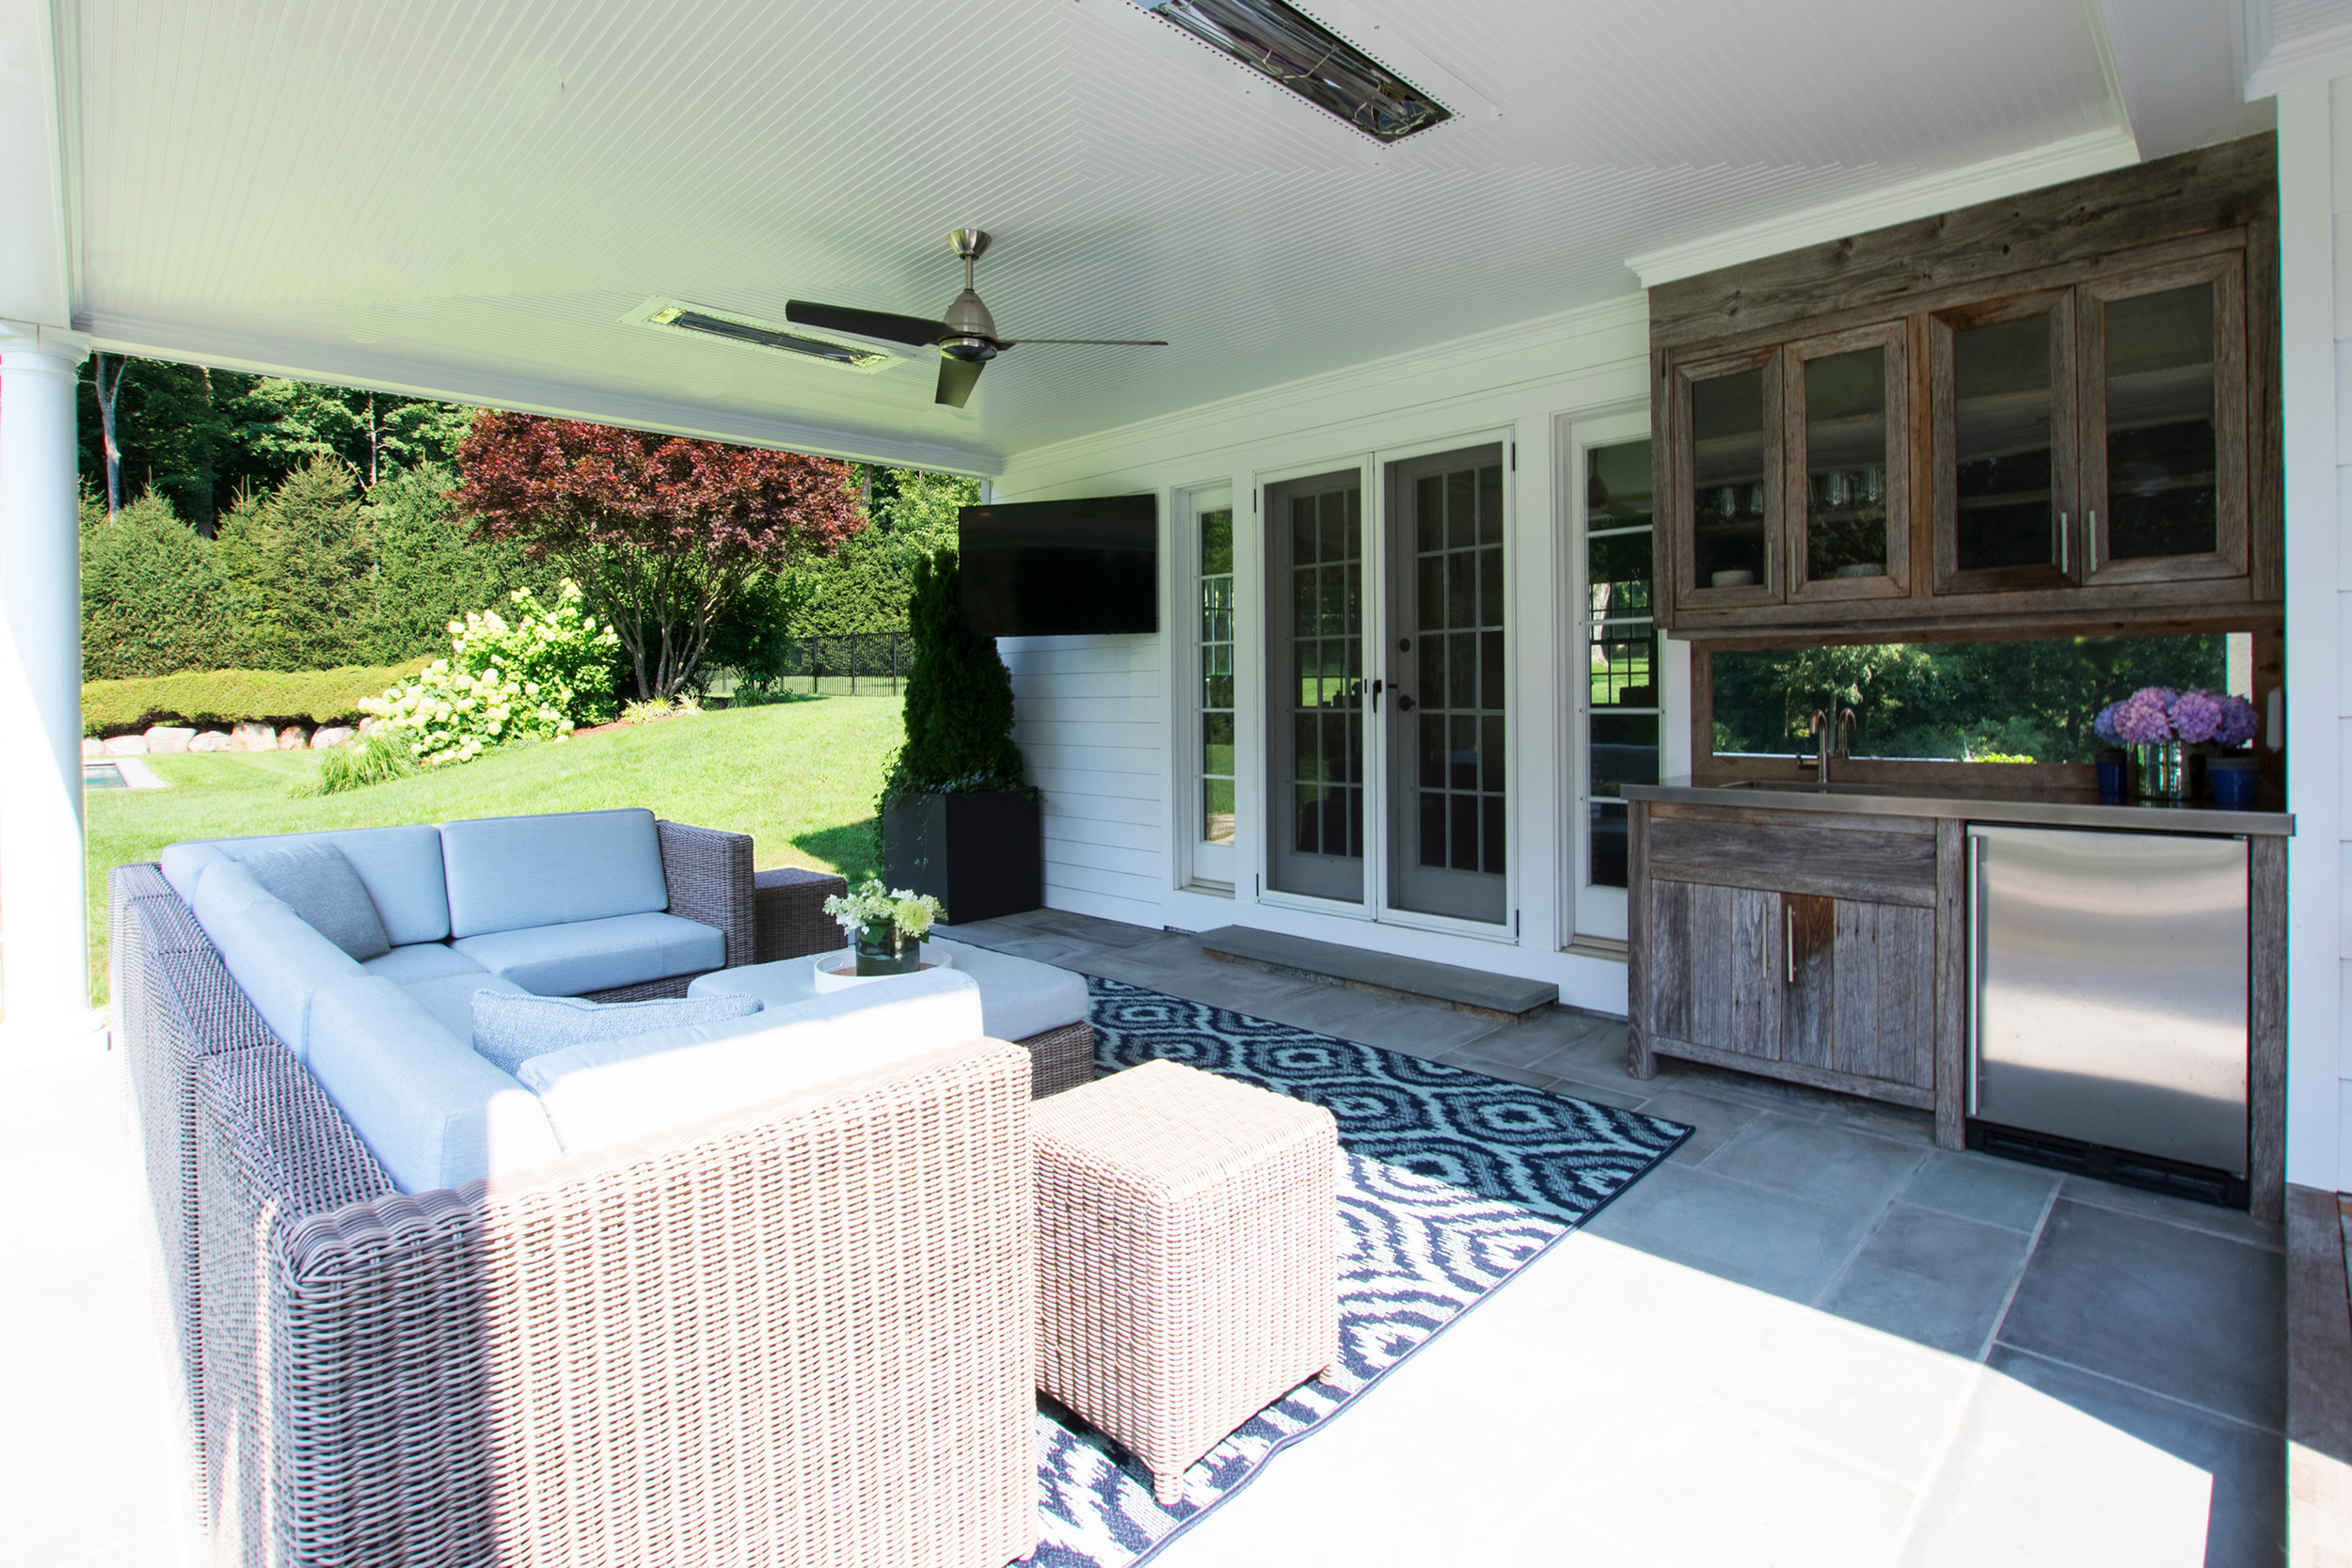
column 2155, row 726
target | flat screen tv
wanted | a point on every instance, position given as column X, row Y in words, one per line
column 1061, row 568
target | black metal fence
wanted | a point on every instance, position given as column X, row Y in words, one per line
column 853, row 664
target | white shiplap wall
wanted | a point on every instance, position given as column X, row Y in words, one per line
column 1092, row 725
column 2315, row 300
column 1098, row 718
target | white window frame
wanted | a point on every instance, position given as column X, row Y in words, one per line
column 1594, row 917
column 1200, row 866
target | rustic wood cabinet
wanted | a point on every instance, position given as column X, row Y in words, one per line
column 1800, row 946
column 2050, row 411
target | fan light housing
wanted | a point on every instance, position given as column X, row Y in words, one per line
column 726, row 327
column 1296, row 52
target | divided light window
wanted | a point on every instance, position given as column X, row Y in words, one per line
column 1216, row 676
column 1620, row 649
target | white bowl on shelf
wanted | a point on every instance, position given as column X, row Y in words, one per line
column 1738, row 576
column 1864, row 569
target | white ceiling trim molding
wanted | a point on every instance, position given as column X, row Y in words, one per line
column 2287, row 41
column 377, row 370
column 36, row 227
column 2051, row 164
column 1483, row 364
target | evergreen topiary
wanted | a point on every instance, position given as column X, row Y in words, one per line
column 959, row 700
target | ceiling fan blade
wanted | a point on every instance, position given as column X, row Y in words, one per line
column 957, row 377
column 1100, row 342
column 911, row 330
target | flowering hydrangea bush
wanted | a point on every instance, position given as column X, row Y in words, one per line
column 535, row 676
column 2156, row 714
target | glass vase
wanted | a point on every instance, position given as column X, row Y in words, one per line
column 880, row 952
column 2159, row 771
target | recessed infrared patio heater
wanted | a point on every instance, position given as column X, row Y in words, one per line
column 1292, row 49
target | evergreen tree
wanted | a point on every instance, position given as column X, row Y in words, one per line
column 866, row 585
column 152, row 601
column 429, row 568
column 959, row 699
column 299, row 569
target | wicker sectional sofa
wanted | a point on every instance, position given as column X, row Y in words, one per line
column 764, row 1298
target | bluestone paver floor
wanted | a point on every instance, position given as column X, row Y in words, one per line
column 1810, row 1338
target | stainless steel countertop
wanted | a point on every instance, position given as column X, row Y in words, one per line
column 2049, row 808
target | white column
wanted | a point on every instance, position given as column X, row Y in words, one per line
column 44, row 957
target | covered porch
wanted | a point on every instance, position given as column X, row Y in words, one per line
column 1816, row 1333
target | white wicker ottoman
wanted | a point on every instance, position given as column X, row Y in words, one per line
column 1187, row 1257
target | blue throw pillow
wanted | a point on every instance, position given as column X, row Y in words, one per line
column 317, row 883
column 509, row 1030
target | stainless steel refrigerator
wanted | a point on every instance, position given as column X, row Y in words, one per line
column 2108, row 990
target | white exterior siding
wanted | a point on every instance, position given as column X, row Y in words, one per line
column 2316, row 298
column 1093, row 724
column 1100, row 720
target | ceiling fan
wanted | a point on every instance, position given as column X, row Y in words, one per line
column 965, row 335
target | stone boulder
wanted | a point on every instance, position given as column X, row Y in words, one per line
column 293, row 738
column 127, row 745
column 253, row 737
column 329, row 735
column 93, row 747
column 212, row 741
column 165, row 739
column 369, row 724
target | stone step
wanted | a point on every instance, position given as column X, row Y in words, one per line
column 1471, row 991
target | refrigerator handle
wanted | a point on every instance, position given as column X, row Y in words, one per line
column 1974, row 1001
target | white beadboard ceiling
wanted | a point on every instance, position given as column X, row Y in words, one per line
column 464, row 196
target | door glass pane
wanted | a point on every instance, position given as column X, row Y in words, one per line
column 1315, row 688
column 2005, row 512
column 1447, row 666
column 1845, row 465
column 1620, row 649
column 1216, row 676
column 2163, row 494
column 1728, row 470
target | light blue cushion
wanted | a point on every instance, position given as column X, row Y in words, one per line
column 312, row 878
column 597, row 955
column 513, row 873
column 433, row 1113
column 401, row 868
column 510, row 1030
column 613, row 1091
column 184, row 863
column 424, row 961
column 276, row 959
column 450, row 998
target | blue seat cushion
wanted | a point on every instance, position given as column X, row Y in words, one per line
column 276, row 959
column 513, row 873
column 401, row 868
column 596, row 955
column 434, row 1114
column 424, row 961
column 508, row 1031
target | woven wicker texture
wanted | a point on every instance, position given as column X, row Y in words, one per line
column 792, row 918
column 803, row 1337
column 173, row 1005
column 1060, row 1058
column 1187, row 1254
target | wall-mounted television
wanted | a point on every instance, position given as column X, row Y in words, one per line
column 1061, row 568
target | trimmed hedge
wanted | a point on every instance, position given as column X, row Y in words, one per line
column 215, row 699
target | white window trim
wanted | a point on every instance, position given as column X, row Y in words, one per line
column 1187, row 857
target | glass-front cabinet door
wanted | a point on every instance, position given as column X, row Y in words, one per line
column 1726, row 497
column 1846, row 399
column 2001, row 383
column 2163, row 423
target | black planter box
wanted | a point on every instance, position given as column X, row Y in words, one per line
column 979, row 855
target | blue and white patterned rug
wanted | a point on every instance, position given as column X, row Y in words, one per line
column 1453, row 1183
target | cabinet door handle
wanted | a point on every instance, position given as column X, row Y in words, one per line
column 2092, row 542
column 1789, row 930
column 2062, row 552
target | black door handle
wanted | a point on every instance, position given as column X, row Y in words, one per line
column 1404, row 702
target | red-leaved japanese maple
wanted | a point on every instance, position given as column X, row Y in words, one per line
column 664, row 535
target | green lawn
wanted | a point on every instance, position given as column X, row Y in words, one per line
column 800, row 777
